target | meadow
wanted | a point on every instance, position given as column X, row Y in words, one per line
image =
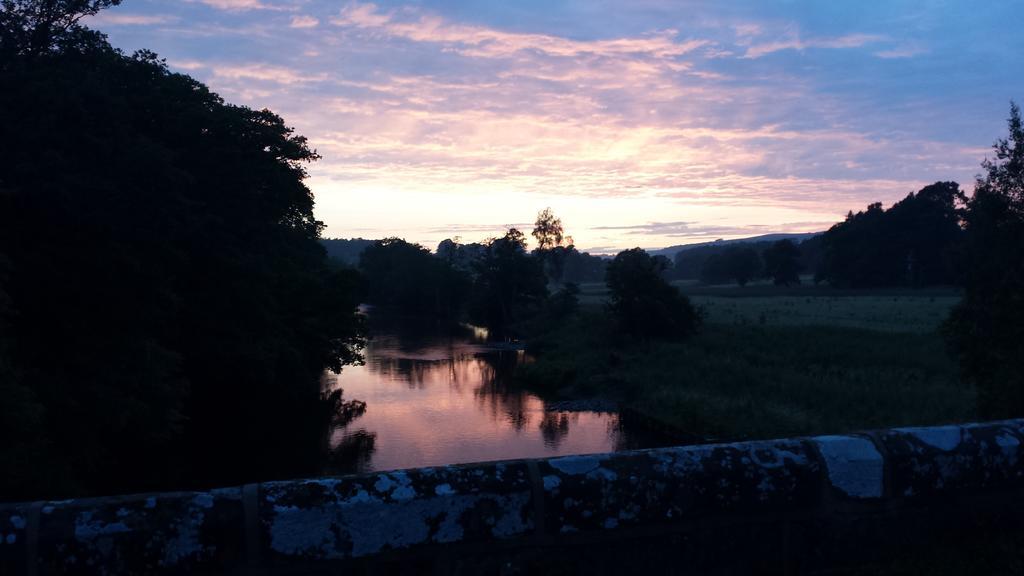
column 768, row 362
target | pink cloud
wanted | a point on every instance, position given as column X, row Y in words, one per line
column 479, row 41
column 119, row 19
column 304, row 22
column 796, row 43
column 240, row 5
column 266, row 73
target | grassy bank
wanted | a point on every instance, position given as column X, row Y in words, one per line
column 788, row 374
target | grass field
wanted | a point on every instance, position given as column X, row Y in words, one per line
column 802, row 361
column 893, row 310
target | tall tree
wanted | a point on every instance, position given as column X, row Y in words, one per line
column 166, row 284
column 547, row 230
column 987, row 328
column 509, row 284
column 782, row 262
column 31, row 27
column 550, row 235
column 913, row 243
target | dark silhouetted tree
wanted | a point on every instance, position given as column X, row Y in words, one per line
column 408, row 277
column 29, row 28
column 172, row 312
column 913, row 243
column 643, row 304
column 547, row 230
column 509, row 284
column 782, row 263
column 739, row 264
column 986, row 330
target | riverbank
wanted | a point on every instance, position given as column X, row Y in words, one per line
column 743, row 380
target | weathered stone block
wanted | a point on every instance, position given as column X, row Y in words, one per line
column 855, row 467
column 356, row 516
column 606, row 491
column 186, row 533
column 943, row 459
column 13, row 541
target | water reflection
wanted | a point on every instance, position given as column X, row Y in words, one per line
column 439, row 396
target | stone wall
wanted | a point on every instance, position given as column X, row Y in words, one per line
column 786, row 506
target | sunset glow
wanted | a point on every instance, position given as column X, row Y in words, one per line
column 641, row 123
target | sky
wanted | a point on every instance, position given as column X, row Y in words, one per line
column 640, row 123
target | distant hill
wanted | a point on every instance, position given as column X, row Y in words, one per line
column 671, row 251
column 346, row 251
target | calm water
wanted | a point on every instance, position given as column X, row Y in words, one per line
column 438, row 397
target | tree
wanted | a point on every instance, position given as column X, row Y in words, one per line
column 409, row 278
column 913, row 243
column 166, row 285
column 986, row 329
column 509, row 284
column 782, row 262
column 547, row 230
column 739, row 264
column 643, row 304
column 31, row 27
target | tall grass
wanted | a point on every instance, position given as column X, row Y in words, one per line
column 739, row 381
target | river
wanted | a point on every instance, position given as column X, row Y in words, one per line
column 437, row 397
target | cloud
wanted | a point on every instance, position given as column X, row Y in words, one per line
column 481, row 41
column 119, row 19
column 190, row 65
column 241, row 5
column 704, row 230
column 304, row 22
column 266, row 73
column 433, row 112
column 796, row 43
column 902, row 51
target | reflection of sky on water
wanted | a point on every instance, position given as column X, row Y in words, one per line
column 443, row 399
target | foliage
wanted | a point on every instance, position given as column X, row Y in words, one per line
column 547, row 230
column 734, row 382
column 408, row 277
column 913, row 243
column 462, row 257
column 167, row 291
column 29, row 28
column 564, row 303
column 987, row 329
column 345, row 252
column 782, row 263
column 690, row 261
column 509, row 285
column 643, row 303
column 739, row 264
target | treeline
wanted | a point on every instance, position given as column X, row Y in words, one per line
column 494, row 283
column 918, row 241
column 166, row 311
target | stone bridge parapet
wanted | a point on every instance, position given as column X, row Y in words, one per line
column 802, row 505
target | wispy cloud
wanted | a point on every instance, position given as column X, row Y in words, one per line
column 902, row 51
column 304, row 22
column 481, row 41
column 794, row 42
column 121, row 19
column 711, row 126
column 266, row 73
column 242, row 5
